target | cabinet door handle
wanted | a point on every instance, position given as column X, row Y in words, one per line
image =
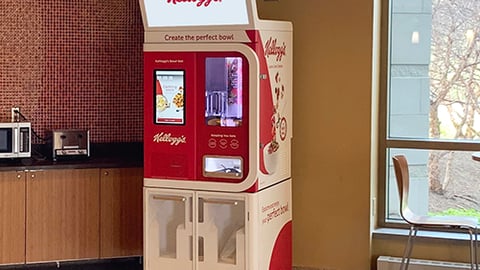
column 105, row 173
column 169, row 198
column 19, row 176
column 220, row 201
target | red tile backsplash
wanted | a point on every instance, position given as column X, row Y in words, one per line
column 73, row 64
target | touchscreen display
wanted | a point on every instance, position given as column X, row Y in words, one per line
column 169, row 97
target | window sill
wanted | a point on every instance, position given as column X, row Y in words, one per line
column 389, row 233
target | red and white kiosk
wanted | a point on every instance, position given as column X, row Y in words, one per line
column 217, row 137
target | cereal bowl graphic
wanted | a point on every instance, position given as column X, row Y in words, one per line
column 178, row 99
column 162, row 103
column 270, row 156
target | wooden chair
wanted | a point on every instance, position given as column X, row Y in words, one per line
column 416, row 222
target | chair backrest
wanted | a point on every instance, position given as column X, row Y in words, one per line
column 403, row 181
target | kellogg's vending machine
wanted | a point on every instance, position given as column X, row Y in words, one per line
column 217, row 137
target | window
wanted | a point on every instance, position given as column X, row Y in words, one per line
column 430, row 105
column 223, row 91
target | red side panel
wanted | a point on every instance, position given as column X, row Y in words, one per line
column 281, row 258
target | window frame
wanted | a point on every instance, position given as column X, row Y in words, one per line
column 384, row 142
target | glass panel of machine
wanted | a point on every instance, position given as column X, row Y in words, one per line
column 194, row 13
column 169, row 97
column 223, row 91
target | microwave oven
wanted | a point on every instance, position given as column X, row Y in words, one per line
column 15, row 140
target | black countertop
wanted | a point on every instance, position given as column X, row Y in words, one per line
column 104, row 155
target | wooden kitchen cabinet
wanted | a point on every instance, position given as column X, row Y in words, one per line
column 121, row 212
column 62, row 214
column 70, row 214
column 12, row 217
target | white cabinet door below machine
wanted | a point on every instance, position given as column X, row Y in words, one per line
column 187, row 229
column 221, row 231
column 168, row 229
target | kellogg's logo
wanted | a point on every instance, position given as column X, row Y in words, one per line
column 200, row 3
column 271, row 48
column 168, row 138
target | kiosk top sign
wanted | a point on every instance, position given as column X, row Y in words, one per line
column 173, row 13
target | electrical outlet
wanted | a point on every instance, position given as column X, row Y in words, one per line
column 15, row 114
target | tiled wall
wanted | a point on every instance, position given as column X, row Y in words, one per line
column 73, row 64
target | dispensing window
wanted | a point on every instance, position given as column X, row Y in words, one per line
column 223, row 91
column 169, row 101
column 223, row 167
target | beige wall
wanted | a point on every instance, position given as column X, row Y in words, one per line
column 429, row 249
column 332, row 142
column 331, row 149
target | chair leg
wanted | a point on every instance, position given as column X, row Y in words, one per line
column 476, row 248
column 408, row 248
column 473, row 250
